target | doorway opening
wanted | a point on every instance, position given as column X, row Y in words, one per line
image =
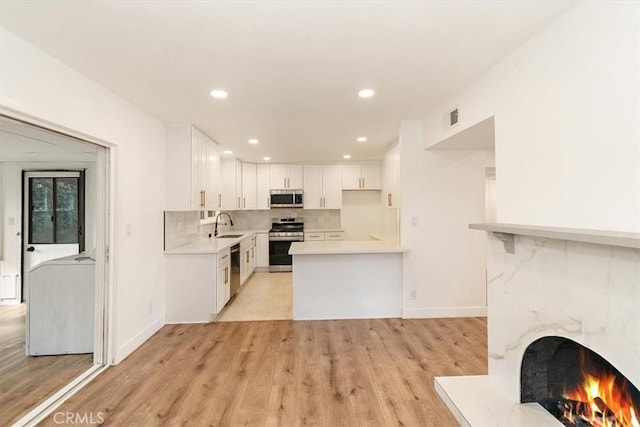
column 54, row 236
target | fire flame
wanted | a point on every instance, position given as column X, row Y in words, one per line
column 605, row 403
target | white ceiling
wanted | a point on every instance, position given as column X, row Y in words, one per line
column 20, row 142
column 292, row 68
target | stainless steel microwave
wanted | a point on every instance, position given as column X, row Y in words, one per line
column 286, row 198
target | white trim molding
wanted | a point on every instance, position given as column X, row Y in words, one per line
column 443, row 312
column 135, row 342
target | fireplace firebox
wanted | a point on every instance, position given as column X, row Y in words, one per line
column 577, row 386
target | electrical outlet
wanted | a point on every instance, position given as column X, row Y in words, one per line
column 414, row 221
column 413, row 295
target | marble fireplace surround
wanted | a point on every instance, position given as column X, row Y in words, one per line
column 547, row 281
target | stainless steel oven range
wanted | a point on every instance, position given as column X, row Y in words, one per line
column 284, row 231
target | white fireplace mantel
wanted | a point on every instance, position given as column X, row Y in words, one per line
column 600, row 237
column 583, row 285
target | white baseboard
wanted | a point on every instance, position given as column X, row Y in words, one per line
column 439, row 312
column 189, row 322
column 138, row 340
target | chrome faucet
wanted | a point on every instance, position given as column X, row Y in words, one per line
column 215, row 231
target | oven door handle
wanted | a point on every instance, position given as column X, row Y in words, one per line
column 286, row 239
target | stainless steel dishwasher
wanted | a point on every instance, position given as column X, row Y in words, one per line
column 235, row 269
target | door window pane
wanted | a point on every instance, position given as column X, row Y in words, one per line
column 66, row 210
column 55, row 211
column 41, row 221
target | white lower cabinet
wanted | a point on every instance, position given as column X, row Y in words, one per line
column 247, row 258
column 199, row 285
column 313, row 236
column 334, row 235
column 223, row 285
column 191, row 288
column 254, row 258
column 262, row 250
column 328, row 235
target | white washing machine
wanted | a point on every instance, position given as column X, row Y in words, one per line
column 61, row 306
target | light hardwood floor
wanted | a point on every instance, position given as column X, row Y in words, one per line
column 26, row 381
column 265, row 296
column 288, row 373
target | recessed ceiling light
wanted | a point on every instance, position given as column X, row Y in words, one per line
column 362, row 139
column 219, row 94
column 346, row 156
column 228, row 152
column 366, row 93
column 253, row 141
column 267, row 158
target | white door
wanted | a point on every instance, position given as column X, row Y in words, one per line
column 53, row 217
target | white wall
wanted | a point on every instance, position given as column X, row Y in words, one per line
column 37, row 84
column 360, row 214
column 444, row 191
column 567, row 121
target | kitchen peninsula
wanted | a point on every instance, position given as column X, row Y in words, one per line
column 346, row 279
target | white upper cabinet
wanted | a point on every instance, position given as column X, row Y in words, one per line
column 364, row 176
column 244, row 185
column 322, row 187
column 313, row 187
column 249, row 186
column 286, row 177
column 230, row 174
column 391, row 185
column 332, row 186
column 193, row 170
column 263, row 186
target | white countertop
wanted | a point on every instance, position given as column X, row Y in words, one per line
column 212, row 245
column 323, row 230
column 327, row 247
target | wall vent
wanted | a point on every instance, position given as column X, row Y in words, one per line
column 453, row 117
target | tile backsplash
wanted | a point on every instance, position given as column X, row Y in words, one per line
column 183, row 227
column 256, row 220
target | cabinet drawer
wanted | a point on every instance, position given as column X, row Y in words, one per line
column 224, row 256
column 313, row 236
column 336, row 235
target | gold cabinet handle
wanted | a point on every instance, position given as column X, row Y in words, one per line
column 244, row 202
column 284, row 182
column 202, row 198
column 388, row 199
column 219, row 200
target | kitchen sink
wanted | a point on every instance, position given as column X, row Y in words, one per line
column 230, row 236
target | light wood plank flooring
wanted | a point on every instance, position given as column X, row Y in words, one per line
column 26, row 381
column 265, row 296
column 288, row 373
